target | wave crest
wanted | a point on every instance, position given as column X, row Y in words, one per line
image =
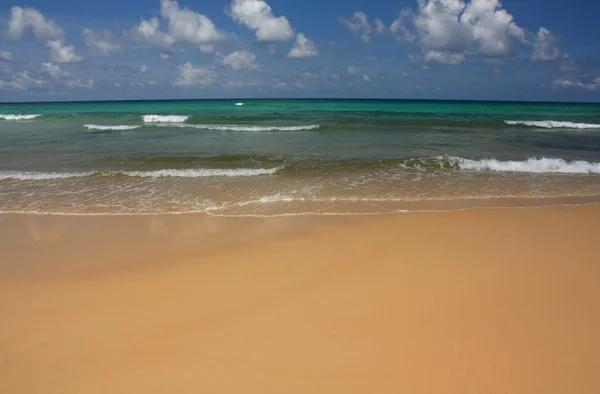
column 230, row 127
column 532, row 165
column 166, row 173
column 98, row 127
column 165, row 118
column 19, row 117
column 552, row 124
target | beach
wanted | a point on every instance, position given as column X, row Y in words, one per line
column 467, row 301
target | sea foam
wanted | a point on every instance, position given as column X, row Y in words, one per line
column 553, row 124
column 230, row 127
column 165, row 118
column 97, row 127
column 532, row 165
column 19, row 117
column 166, row 173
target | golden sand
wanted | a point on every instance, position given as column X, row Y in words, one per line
column 482, row 301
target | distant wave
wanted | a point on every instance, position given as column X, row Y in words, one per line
column 553, row 124
column 19, row 117
column 239, row 104
column 230, row 127
column 165, row 118
column 167, row 173
column 98, row 127
column 543, row 165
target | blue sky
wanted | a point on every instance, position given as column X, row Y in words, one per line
column 446, row 49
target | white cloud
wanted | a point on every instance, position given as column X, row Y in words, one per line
column 8, row 56
column 303, row 47
column 353, row 69
column 152, row 82
column 195, row 75
column 451, row 30
column 184, row 25
column 359, row 24
column 366, row 78
column 78, row 83
column 149, row 31
column 188, row 26
column 54, row 70
column 143, row 68
column 23, row 18
column 101, row 42
column 399, row 28
column 20, row 81
column 380, row 27
column 444, row 57
column 334, row 76
column 240, row 60
column 257, row 15
column 61, row 53
column 165, row 56
column 565, row 83
column 544, row 47
column 493, row 61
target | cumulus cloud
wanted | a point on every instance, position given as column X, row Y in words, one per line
column 54, row 70
column 190, row 75
column 565, row 83
column 24, row 18
column 366, row 78
column 143, row 68
column 188, row 26
column 101, row 42
column 8, row 56
column 184, row 25
column 240, row 60
column 544, row 46
column 353, row 69
column 61, row 53
column 359, row 24
column 451, row 30
column 257, row 15
column 303, row 47
column 400, row 27
column 380, row 27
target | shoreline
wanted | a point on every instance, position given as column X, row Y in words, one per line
column 484, row 300
column 449, row 205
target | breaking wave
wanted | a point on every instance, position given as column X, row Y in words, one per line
column 165, row 118
column 166, row 173
column 97, row 127
column 553, row 124
column 543, row 165
column 229, row 127
column 19, row 117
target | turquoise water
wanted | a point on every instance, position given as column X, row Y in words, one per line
column 247, row 157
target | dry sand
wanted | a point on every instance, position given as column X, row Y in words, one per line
column 483, row 301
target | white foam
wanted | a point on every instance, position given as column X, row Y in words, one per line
column 228, row 127
column 166, row 173
column 553, row 124
column 41, row 176
column 165, row 118
column 239, row 104
column 533, row 165
column 109, row 127
column 203, row 172
column 19, row 117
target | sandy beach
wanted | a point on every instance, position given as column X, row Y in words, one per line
column 479, row 301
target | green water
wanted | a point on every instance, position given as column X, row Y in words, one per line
column 292, row 156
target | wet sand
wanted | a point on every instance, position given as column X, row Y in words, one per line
column 480, row 301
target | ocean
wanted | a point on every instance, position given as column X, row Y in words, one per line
column 291, row 157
